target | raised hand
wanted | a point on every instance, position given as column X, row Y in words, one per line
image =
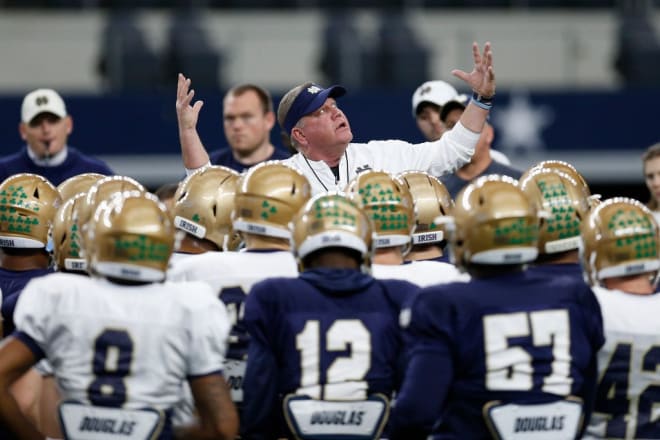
column 186, row 113
column 482, row 77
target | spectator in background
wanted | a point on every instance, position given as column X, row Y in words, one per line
column 427, row 102
column 45, row 127
column 482, row 162
column 248, row 118
column 651, row 163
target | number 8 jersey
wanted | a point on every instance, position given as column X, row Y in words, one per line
column 119, row 345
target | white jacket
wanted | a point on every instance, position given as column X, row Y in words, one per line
column 443, row 156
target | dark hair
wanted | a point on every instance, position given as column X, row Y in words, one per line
column 264, row 96
column 166, row 190
column 651, row 153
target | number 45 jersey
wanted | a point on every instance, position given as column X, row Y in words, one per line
column 628, row 398
column 123, row 346
column 516, row 338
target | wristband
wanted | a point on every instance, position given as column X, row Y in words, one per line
column 485, row 103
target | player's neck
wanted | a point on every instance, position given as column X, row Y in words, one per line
column 488, row 271
column 391, row 256
column 639, row 284
column 567, row 257
column 330, row 259
column 192, row 245
column 260, row 154
column 31, row 260
column 424, row 253
column 257, row 242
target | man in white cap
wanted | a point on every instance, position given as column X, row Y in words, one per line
column 322, row 135
column 428, row 103
column 45, row 127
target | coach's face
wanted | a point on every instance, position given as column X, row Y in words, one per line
column 326, row 128
column 46, row 134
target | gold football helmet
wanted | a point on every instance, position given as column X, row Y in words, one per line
column 203, row 204
column 431, row 201
column 332, row 220
column 80, row 183
column 389, row 204
column 103, row 189
column 67, row 252
column 131, row 237
column 27, row 206
column 495, row 223
column 267, row 198
column 620, row 237
column 560, row 165
column 565, row 202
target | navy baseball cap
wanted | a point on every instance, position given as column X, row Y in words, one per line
column 303, row 100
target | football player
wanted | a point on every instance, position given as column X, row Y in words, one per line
column 507, row 354
column 266, row 199
column 202, row 208
column 123, row 342
column 80, row 183
column 432, row 200
column 28, row 203
column 326, row 343
column 27, row 206
column 389, row 203
column 564, row 198
column 620, row 260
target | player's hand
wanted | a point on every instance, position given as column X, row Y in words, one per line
column 482, row 77
column 186, row 113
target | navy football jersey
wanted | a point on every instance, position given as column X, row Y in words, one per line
column 571, row 270
column 515, row 338
column 12, row 283
column 329, row 334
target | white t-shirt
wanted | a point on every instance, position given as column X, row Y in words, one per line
column 450, row 152
column 231, row 275
column 149, row 339
column 423, row 273
column 632, row 353
column 234, row 269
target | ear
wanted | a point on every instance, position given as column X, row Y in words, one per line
column 22, row 130
column 69, row 124
column 299, row 136
column 270, row 120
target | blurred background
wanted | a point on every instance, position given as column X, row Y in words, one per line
column 578, row 80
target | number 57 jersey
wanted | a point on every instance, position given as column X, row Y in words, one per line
column 516, row 339
column 123, row 346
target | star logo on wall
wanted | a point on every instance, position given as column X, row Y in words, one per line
column 519, row 125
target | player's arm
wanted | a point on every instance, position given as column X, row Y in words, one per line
column 15, row 360
column 428, row 375
column 192, row 150
column 50, row 399
column 217, row 414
